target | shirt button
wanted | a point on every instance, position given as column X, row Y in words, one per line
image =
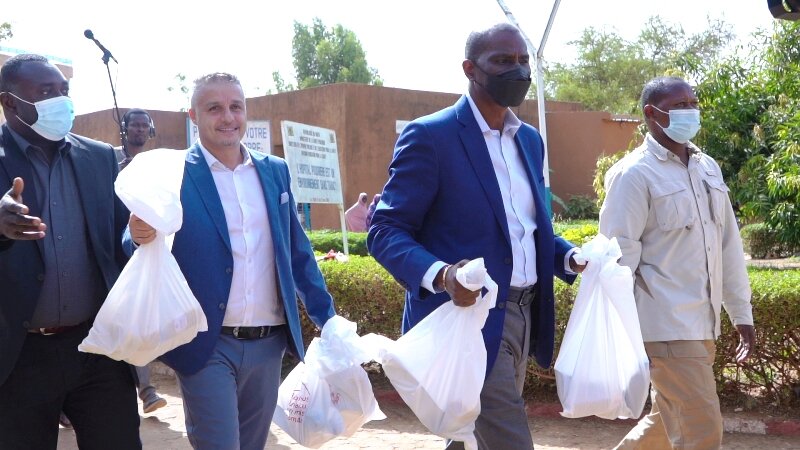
column 501, row 305
column 60, row 237
column 222, row 306
column 228, row 270
column 507, row 260
column 64, row 273
column 40, row 277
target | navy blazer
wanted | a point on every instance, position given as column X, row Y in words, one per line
column 443, row 202
column 202, row 249
column 21, row 262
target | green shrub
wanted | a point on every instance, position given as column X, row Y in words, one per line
column 580, row 207
column 770, row 375
column 761, row 242
column 363, row 292
column 580, row 235
column 325, row 240
column 604, row 162
column 560, row 226
column 366, row 294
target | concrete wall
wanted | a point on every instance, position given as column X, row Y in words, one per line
column 364, row 119
column 575, row 141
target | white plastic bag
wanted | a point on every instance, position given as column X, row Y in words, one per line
column 305, row 410
column 329, row 395
column 438, row 367
column 150, row 309
column 602, row 368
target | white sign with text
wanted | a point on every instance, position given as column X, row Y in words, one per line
column 313, row 160
column 256, row 137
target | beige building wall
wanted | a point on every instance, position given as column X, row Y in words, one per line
column 364, row 119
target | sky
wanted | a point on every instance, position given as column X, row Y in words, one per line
column 414, row 44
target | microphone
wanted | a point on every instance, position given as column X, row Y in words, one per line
column 106, row 54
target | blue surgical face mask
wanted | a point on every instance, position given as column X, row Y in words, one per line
column 55, row 117
column 683, row 124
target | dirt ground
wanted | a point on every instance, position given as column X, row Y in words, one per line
column 165, row 430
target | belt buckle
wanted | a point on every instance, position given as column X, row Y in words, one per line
column 528, row 295
column 236, row 332
column 44, row 333
column 264, row 331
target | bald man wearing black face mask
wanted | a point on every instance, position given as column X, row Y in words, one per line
column 467, row 182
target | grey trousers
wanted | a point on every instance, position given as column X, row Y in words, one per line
column 143, row 382
column 503, row 422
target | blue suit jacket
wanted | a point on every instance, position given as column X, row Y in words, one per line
column 203, row 251
column 22, row 262
column 443, row 202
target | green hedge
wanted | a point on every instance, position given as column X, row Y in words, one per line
column 365, row 293
column 772, row 374
column 325, row 240
column 761, row 242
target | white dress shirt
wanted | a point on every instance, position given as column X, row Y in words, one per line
column 253, row 299
column 518, row 202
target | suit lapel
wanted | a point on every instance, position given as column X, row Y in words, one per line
column 272, row 192
column 475, row 147
column 82, row 167
column 16, row 164
column 534, row 171
column 200, row 175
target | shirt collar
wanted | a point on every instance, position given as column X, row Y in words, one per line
column 511, row 123
column 63, row 146
column 662, row 153
column 214, row 162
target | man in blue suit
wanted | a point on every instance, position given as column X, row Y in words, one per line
column 467, row 182
column 246, row 259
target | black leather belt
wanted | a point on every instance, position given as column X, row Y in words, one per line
column 521, row 296
column 247, row 333
column 49, row 331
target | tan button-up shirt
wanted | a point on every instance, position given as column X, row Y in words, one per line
column 678, row 234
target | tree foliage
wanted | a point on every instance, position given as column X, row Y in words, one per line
column 5, row 31
column 180, row 88
column 751, row 126
column 326, row 56
column 610, row 71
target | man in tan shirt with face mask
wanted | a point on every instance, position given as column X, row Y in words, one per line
column 668, row 206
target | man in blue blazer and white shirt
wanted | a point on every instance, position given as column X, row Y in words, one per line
column 467, row 182
column 246, row 259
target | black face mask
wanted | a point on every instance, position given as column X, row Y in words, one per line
column 508, row 88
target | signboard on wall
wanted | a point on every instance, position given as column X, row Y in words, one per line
column 313, row 159
column 256, row 137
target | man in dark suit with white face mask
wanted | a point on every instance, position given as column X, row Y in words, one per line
column 60, row 253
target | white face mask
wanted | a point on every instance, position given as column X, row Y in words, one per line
column 55, row 117
column 683, row 124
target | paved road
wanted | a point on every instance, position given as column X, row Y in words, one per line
column 165, row 430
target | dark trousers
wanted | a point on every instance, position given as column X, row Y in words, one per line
column 95, row 392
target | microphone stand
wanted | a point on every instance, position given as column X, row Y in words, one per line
column 118, row 118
